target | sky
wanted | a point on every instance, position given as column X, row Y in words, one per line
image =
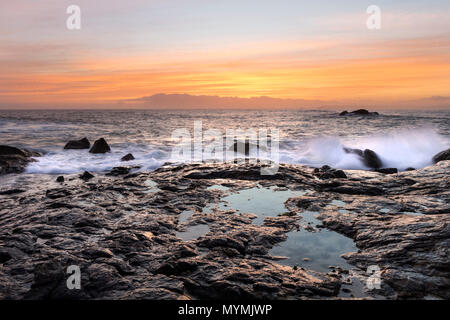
column 286, row 49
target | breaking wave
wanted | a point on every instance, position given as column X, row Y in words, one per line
column 399, row 149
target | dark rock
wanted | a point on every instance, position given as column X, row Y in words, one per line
column 78, row 144
column 60, row 179
column 86, row 176
column 223, row 241
column 368, row 157
column 11, row 191
column 4, row 256
column 359, row 112
column 326, row 172
column 371, row 159
column 178, row 267
column 57, row 193
column 441, row 156
column 8, row 151
column 387, row 170
column 15, row 160
column 118, row 171
column 359, row 152
column 244, row 147
column 100, row 146
column 127, row 157
column 410, row 169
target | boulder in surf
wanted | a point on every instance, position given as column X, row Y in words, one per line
column 100, row 146
column 78, row 144
column 441, row 156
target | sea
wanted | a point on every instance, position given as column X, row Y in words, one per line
column 402, row 139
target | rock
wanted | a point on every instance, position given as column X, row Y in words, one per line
column 117, row 171
column 245, row 147
column 100, row 146
column 410, row 169
column 441, row 156
column 359, row 112
column 60, row 179
column 78, row 144
column 387, row 170
column 124, row 237
column 127, row 157
column 371, row 159
column 326, row 172
column 86, row 176
column 11, row 191
column 57, row 193
column 359, row 152
column 368, row 157
column 15, row 160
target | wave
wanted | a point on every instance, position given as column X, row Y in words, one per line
column 400, row 149
column 74, row 161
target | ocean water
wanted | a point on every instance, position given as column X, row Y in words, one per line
column 401, row 138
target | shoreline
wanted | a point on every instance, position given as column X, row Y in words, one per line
column 124, row 233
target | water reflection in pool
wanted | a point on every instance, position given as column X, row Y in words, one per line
column 264, row 202
column 314, row 250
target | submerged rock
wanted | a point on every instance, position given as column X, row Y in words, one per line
column 15, row 160
column 100, row 146
column 78, row 144
column 441, row 156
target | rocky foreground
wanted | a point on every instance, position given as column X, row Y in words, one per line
column 121, row 230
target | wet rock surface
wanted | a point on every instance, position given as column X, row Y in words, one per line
column 127, row 157
column 368, row 157
column 121, row 231
column 15, row 160
column 78, row 144
column 100, row 146
column 359, row 112
column 441, row 156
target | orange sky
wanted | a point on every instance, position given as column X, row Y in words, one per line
column 56, row 67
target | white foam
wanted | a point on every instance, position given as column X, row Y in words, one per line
column 74, row 161
column 398, row 149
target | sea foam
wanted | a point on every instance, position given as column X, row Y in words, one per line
column 397, row 149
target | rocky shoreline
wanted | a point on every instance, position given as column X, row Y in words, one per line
column 122, row 230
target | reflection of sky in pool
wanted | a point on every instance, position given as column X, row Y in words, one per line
column 265, row 202
column 323, row 248
column 320, row 249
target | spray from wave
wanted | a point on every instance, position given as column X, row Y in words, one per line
column 400, row 149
